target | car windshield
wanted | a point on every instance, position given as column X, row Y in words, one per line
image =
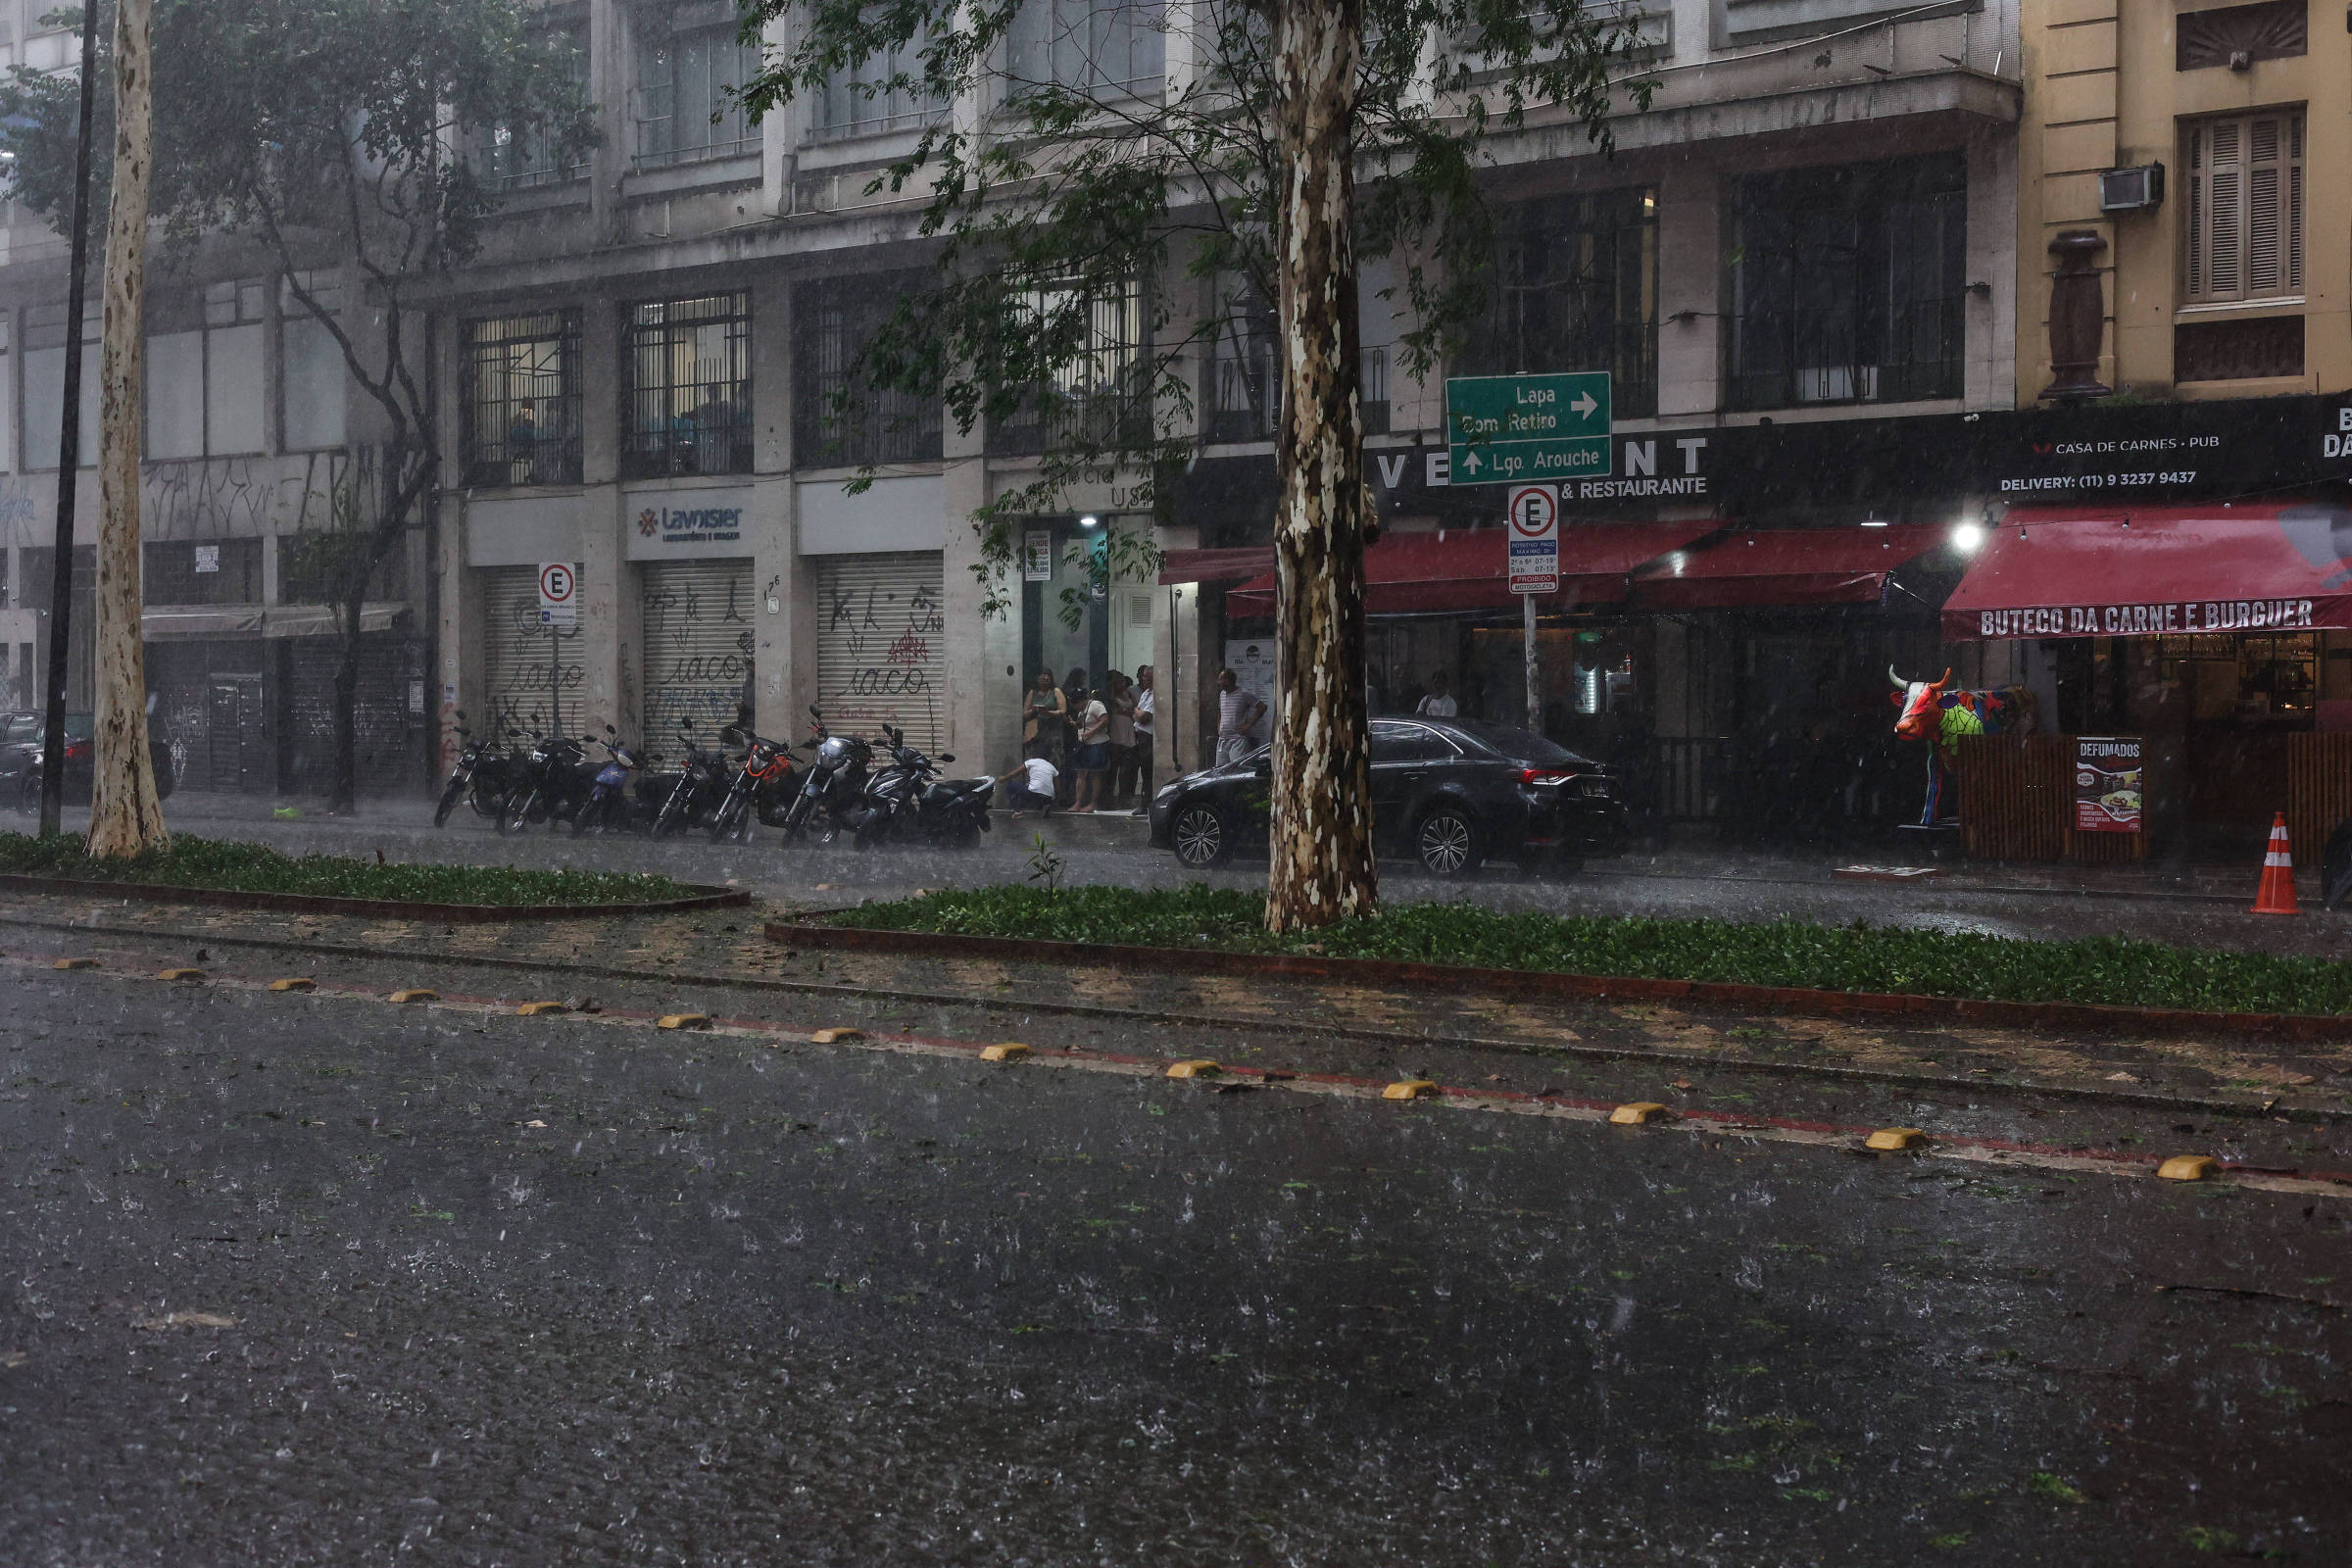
column 79, row 726
column 1520, row 745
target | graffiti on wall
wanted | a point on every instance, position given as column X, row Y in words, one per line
column 892, row 641
column 698, row 661
column 533, row 689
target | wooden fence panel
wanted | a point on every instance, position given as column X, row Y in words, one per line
column 2318, row 789
column 2017, row 803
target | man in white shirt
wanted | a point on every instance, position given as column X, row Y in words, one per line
column 1438, row 704
column 1237, row 713
column 1139, row 754
column 1035, row 792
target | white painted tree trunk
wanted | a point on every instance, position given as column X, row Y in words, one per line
column 1322, row 804
column 125, row 816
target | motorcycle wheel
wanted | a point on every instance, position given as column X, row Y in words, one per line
column 448, row 799
column 516, row 814
column 673, row 814
column 730, row 813
column 587, row 816
column 822, row 827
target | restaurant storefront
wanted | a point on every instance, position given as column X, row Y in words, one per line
column 1725, row 642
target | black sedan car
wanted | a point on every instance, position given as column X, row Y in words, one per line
column 20, row 754
column 1450, row 792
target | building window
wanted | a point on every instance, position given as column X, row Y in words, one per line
column 522, row 400
column 520, row 156
column 1847, row 283
column 206, row 386
column 1242, row 395
column 2239, row 36
column 203, row 571
column 684, row 110
column 1090, row 46
column 2238, row 348
column 45, row 384
column 1099, row 396
column 858, row 99
column 2245, row 208
column 310, row 371
column 838, row 418
column 1574, row 288
column 687, row 394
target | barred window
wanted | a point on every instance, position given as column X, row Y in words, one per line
column 1097, row 395
column 839, row 419
column 684, row 112
column 522, row 400
column 1243, row 396
column 2245, row 208
column 687, row 396
column 1119, row 46
column 202, row 571
column 1848, row 282
column 520, row 156
column 1574, row 288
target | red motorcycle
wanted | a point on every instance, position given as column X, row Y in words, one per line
column 764, row 785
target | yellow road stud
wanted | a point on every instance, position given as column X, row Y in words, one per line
column 2190, row 1168
column 1409, row 1089
column 684, row 1020
column 405, row 997
column 179, row 974
column 1010, row 1050
column 540, row 1009
column 78, row 964
column 1193, row 1069
column 1637, row 1113
column 835, row 1037
column 294, row 983
column 1895, row 1140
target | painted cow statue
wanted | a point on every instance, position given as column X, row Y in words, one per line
column 1932, row 712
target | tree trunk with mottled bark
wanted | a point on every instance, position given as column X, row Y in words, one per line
column 125, row 816
column 1322, row 806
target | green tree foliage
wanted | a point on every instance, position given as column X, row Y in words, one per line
column 336, row 134
column 1078, row 185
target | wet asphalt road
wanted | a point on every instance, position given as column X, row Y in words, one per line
column 736, row 1303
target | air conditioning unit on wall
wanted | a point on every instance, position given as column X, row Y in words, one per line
column 2131, row 190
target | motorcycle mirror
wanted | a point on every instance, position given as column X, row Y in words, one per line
column 610, row 731
column 947, row 757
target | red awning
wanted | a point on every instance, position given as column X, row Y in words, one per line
column 1463, row 569
column 2140, row 571
column 1782, row 567
column 1215, row 565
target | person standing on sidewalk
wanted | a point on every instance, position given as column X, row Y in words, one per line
column 1139, row 759
column 1237, row 713
column 1040, row 721
column 1119, row 696
column 1092, row 757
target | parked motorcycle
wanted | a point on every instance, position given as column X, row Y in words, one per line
column 692, row 797
column 764, row 785
column 611, row 807
column 831, row 786
column 908, row 801
column 484, row 775
column 550, row 784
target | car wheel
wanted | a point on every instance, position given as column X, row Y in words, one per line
column 1201, row 836
column 1448, row 843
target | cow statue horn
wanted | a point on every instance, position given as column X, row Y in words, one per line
column 1900, row 684
column 1947, row 680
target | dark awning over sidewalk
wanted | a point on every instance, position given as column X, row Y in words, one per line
column 2142, row 571
column 1215, row 565
column 1463, row 569
column 1788, row 567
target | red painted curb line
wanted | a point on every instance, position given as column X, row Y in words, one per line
column 2045, row 1015
column 703, row 898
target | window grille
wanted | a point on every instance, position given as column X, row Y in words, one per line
column 522, row 400
column 687, row 391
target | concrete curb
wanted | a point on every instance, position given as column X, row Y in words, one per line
column 2087, row 1017
column 701, row 898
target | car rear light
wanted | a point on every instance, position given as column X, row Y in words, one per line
column 1543, row 775
column 75, row 751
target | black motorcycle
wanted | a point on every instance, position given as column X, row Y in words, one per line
column 832, row 785
column 550, row 784
column 692, row 797
column 481, row 778
column 908, row 801
column 612, row 806
column 764, row 785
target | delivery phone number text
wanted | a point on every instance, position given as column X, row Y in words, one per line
column 2103, row 481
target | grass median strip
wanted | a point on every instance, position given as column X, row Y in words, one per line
column 1858, row 957
column 194, row 863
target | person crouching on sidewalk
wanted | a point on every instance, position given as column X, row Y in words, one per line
column 1035, row 792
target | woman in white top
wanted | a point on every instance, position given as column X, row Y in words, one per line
column 1438, row 704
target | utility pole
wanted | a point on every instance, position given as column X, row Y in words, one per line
column 68, row 458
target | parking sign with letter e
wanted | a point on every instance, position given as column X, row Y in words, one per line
column 1535, row 539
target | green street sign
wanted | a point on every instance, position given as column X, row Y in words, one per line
column 1521, row 429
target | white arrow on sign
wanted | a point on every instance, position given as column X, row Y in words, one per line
column 1470, row 461
column 1583, row 405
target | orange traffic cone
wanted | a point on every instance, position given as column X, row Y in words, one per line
column 2276, row 895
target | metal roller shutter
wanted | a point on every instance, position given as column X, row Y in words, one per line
column 528, row 669
column 697, row 648
column 880, row 656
